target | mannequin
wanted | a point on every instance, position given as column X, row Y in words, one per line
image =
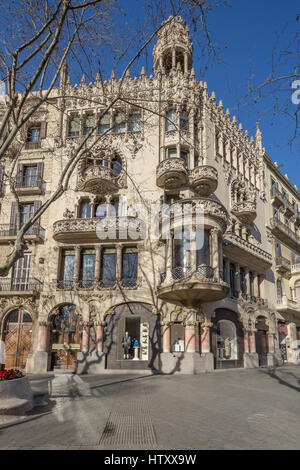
column 126, row 341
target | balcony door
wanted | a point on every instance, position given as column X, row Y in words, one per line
column 21, row 273
column 18, row 332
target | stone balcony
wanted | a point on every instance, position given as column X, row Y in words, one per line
column 94, row 285
column 30, row 287
column 25, row 185
column 295, row 269
column 190, row 286
column 284, row 233
column 171, row 173
column 96, row 229
column 282, row 265
column 277, row 198
column 35, row 233
column 285, row 305
column 244, row 211
column 204, row 180
column 98, row 180
column 246, row 252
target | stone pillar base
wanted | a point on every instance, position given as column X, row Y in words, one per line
column 250, row 360
column 272, row 359
column 93, row 363
column 186, row 363
column 37, row 363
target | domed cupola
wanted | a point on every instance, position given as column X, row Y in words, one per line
column 173, row 47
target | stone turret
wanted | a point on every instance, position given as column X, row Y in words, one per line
column 173, row 47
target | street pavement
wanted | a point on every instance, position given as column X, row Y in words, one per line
column 228, row 409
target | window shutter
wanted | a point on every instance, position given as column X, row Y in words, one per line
column 12, row 225
column 43, row 129
column 40, row 170
column 20, row 173
column 37, row 205
column 23, row 131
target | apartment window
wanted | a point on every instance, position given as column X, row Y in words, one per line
column 26, row 212
column 104, row 125
column 232, row 280
column 85, row 210
column 203, row 254
column 184, row 121
column 277, row 249
column 101, row 210
column 171, row 119
column 34, row 134
column 116, row 164
column 285, row 195
column 67, row 267
column 74, row 126
column 30, row 176
column 129, row 265
column 274, row 183
column 279, row 289
column 108, row 266
column 134, row 124
column 171, row 152
column 184, row 155
column 89, row 124
column 21, row 272
column 243, row 281
column 224, row 270
column 88, row 259
column 196, row 161
column 119, row 123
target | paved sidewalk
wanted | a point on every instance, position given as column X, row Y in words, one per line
column 233, row 409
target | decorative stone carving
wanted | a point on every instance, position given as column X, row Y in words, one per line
column 204, row 180
column 171, row 173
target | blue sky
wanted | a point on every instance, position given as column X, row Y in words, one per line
column 248, row 32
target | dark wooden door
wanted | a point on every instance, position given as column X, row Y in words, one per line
column 261, row 341
column 18, row 334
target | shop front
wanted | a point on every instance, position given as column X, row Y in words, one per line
column 132, row 337
column 227, row 340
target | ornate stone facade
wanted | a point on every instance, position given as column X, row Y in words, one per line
column 182, row 149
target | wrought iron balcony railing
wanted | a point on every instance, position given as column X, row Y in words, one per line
column 91, row 284
column 33, row 145
column 14, row 285
column 181, row 273
column 29, row 182
column 8, row 231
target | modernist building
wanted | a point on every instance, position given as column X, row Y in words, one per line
column 69, row 302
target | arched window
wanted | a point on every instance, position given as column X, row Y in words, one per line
column 184, row 121
column 116, row 164
column 226, row 341
column 171, row 120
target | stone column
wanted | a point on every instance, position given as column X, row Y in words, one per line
column 215, row 251
column 174, row 58
column 169, row 258
column 185, row 63
column 221, row 259
column 246, row 341
column 77, row 263
column 85, row 337
column 205, row 337
column 43, row 336
column 252, row 341
column 98, row 263
column 227, row 265
column 271, row 342
column 119, row 262
column 100, row 336
column 255, row 285
column 166, row 337
column 190, row 337
column 247, row 280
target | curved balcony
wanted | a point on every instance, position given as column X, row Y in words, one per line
column 244, row 211
column 98, row 180
column 171, row 173
column 191, row 285
column 204, row 180
column 97, row 229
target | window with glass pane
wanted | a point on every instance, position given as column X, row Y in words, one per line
column 171, row 120
column 26, row 212
column 251, row 282
column 171, row 152
column 196, row 161
column 129, row 266
column 224, row 270
column 89, row 124
column 30, row 176
column 184, row 121
column 101, row 210
column 88, row 259
column 104, row 125
column 114, row 208
column 108, row 266
column 74, row 127
column 34, row 134
column 68, row 258
column 85, row 210
column 134, row 122
column 119, row 122
column 116, row 164
column 279, row 289
column 243, row 281
column 181, row 250
column 203, row 254
column 232, row 280
column 184, row 155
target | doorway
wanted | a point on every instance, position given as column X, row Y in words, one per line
column 18, row 334
column 261, row 341
column 227, row 340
